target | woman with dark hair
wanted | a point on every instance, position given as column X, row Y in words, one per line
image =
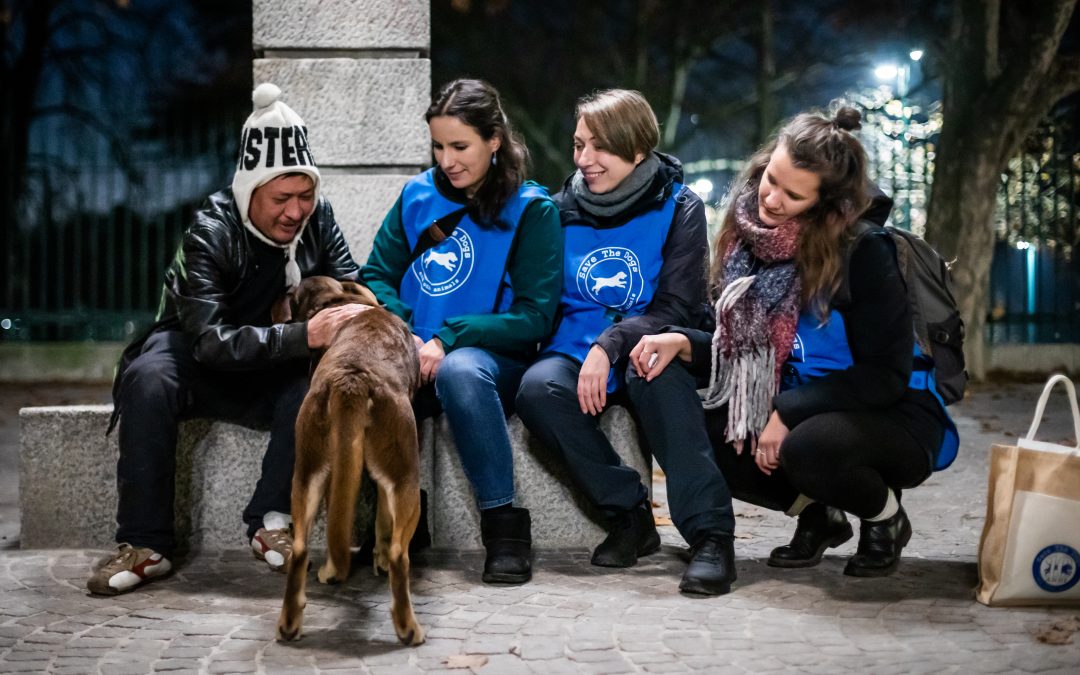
column 817, row 398
column 469, row 257
column 635, row 260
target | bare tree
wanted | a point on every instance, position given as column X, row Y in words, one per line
column 1003, row 73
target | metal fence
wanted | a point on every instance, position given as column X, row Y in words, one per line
column 85, row 257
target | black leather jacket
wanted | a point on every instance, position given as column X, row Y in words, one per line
column 223, row 281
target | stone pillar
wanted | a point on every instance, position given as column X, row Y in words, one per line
column 358, row 72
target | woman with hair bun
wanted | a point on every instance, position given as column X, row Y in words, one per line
column 469, row 257
column 812, row 405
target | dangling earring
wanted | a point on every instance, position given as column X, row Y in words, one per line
column 494, row 159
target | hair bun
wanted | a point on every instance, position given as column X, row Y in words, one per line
column 848, row 118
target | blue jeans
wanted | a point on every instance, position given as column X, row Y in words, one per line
column 476, row 390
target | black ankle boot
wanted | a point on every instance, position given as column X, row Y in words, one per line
column 880, row 544
column 820, row 527
column 631, row 535
column 712, row 566
column 507, row 536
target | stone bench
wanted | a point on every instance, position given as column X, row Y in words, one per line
column 68, row 482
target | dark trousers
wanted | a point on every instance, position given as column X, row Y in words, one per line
column 548, row 405
column 672, row 421
column 846, row 459
column 697, row 495
column 164, row 385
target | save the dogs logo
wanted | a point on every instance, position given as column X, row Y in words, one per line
column 1054, row 568
column 611, row 277
column 446, row 267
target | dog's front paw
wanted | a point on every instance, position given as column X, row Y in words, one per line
column 328, row 574
column 288, row 630
column 380, row 563
column 412, row 636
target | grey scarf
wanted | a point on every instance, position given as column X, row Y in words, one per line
column 625, row 193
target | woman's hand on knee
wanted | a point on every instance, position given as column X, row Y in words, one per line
column 767, row 450
column 592, row 381
column 653, row 353
column 431, row 356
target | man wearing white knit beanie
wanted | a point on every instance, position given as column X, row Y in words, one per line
column 215, row 350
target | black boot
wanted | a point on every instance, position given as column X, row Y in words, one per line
column 712, row 566
column 507, row 536
column 820, row 527
column 880, row 544
column 632, row 534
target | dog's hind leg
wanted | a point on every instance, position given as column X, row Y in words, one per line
column 394, row 465
column 384, row 527
column 351, row 414
column 309, row 483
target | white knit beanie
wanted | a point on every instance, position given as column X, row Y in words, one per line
column 274, row 142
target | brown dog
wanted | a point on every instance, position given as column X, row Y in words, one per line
column 357, row 415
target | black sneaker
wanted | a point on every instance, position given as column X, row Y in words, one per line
column 712, row 566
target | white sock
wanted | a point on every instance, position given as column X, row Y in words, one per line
column 275, row 520
column 800, row 503
column 891, row 507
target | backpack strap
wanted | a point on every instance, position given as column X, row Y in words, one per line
column 860, row 229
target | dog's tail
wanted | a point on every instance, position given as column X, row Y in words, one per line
column 351, row 413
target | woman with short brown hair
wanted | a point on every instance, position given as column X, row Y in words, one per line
column 635, row 257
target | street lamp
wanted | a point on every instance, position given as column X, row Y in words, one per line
column 901, row 75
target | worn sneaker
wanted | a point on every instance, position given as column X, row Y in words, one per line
column 273, row 546
column 130, row 567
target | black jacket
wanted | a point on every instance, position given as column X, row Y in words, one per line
column 877, row 318
column 220, row 287
column 680, row 295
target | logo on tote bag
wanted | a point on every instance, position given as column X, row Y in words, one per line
column 1054, row 568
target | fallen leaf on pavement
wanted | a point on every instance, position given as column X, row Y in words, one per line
column 1058, row 632
column 463, row 661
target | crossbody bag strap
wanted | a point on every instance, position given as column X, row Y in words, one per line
column 437, row 233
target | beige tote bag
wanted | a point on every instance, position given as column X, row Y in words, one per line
column 1029, row 553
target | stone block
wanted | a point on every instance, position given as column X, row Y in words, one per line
column 68, row 480
column 561, row 516
column 359, row 112
column 343, row 24
column 68, row 483
column 360, row 202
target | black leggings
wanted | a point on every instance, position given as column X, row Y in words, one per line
column 843, row 459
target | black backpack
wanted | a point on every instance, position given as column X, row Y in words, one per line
column 939, row 330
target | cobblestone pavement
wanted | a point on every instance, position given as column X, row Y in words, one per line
column 217, row 612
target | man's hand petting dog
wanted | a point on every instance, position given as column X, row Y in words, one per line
column 322, row 327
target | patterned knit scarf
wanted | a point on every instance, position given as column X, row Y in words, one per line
column 756, row 315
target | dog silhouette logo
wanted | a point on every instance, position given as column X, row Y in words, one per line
column 447, row 259
column 611, row 276
column 1054, row 568
column 444, row 268
column 617, row 281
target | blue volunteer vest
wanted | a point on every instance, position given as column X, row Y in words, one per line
column 465, row 273
column 821, row 349
column 608, row 274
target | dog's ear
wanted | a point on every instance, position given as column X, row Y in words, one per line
column 312, row 295
column 282, row 309
column 359, row 293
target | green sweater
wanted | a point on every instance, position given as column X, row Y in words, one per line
column 535, row 268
